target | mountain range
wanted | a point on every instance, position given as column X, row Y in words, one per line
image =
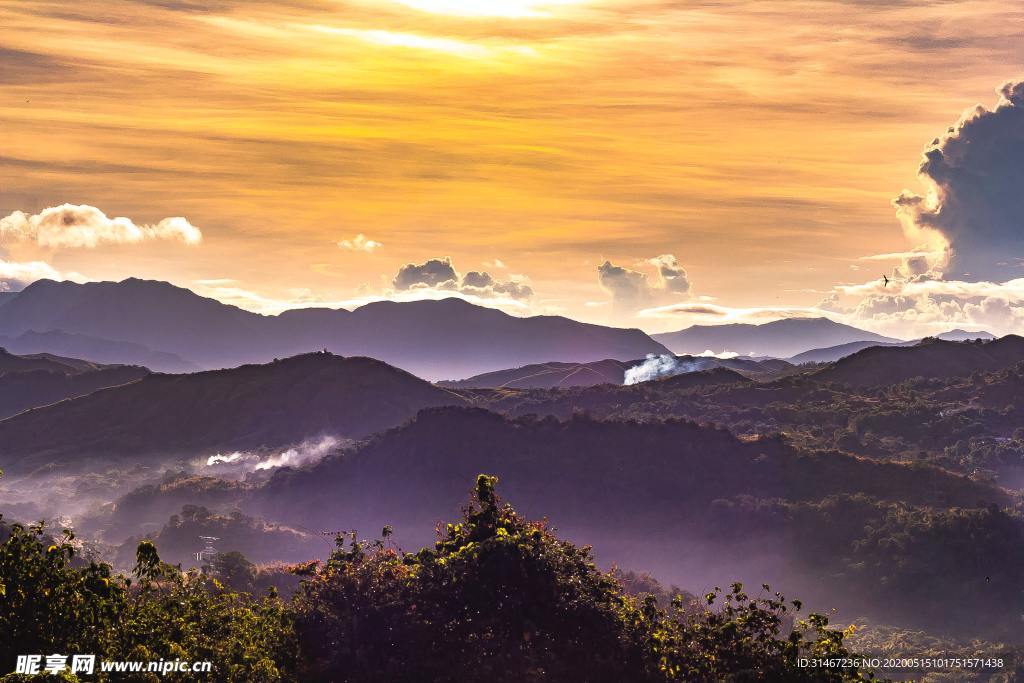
column 172, row 329
column 433, row 339
column 780, row 338
column 285, row 402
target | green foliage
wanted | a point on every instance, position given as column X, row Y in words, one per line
column 52, row 603
column 907, row 558
column 234, row 570
column 256, row 538
column 499, row 598
column 876, row 640
column 47, row 604
column 175, row 615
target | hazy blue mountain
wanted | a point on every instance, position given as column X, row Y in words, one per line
column 450, row 338
column 96, row 350
column 964, row 335
column 830, row 354
column 13, row 363
column 156, row 315
column 780, row 338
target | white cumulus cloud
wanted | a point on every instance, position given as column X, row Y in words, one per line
column 83, row 226
column 361, row 243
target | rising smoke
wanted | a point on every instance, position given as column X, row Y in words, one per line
column 658, row 366
column 306, row 453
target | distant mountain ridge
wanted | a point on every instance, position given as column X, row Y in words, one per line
column 964, row 335
column 830, row 354
column 42, row 379
column 780, row 338
column 106, row 351
column 433, row 339
column 14, row 363
column 833, row 353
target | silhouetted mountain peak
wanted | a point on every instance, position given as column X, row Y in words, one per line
column 963, row 335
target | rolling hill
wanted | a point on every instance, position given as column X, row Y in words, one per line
column 831, row 354
column 41, row 379
column 15, row 363
column 780, row 338
column 689, row 503
column 548, row 376
column 931, row 358
column 433, row 339
column 569, row 375
column 624, row 474
column 277, row 404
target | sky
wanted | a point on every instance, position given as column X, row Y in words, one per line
column 641, row 163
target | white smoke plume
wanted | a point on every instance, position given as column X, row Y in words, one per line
column 659, row 366
column 306, row 453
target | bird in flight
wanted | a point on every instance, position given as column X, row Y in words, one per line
column 885, row 281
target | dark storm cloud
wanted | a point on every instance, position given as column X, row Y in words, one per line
column 629, row 288
column 977, row 170
column 439, row 273
column 477, row 279
column 432, row 273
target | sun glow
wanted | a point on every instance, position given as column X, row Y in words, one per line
column 489, row 8
column 407, row 40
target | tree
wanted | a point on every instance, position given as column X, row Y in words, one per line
column 234, row 570
column 500, row 598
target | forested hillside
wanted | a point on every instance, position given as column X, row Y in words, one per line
column 497, row 598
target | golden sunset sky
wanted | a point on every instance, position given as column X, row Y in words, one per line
column 759, row 143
